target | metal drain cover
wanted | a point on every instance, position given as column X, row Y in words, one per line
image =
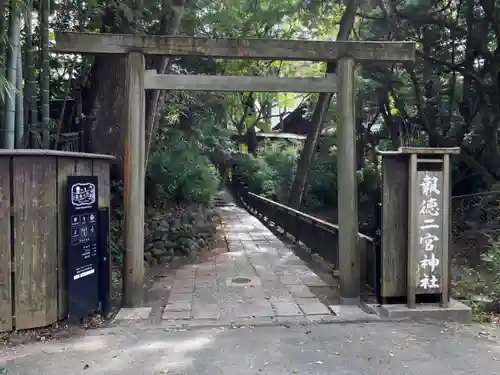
column 241, row 280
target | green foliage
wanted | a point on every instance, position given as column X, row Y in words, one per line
column 256, row 174
column 368, row 180
column 272, row 172
column 282, row 159
column 322, row 178
column 180, row 174
column 480, row 286
column 116, row 223
column 493, row 261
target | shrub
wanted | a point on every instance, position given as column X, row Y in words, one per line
column 271, row 173
column 283, row 162
column 180, row 174
column 321, row 189
column 479, row 285
column 256, row 174
column 492, row 260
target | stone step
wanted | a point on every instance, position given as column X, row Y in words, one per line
column 219, row 201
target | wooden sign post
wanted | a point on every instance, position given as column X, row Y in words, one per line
column 415, row 224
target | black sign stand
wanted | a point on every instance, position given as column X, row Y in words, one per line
column 82, row 253
column 104, row 261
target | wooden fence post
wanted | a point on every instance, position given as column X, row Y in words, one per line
column 133, row 270
column 347, row 186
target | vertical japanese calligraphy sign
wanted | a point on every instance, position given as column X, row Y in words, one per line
column 429, row 232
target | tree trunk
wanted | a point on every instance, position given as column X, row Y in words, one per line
column 19, row 137
column 30, row 110
column 104, row 103
column 106, row 118
column 45, row 72
column 3, row 12
column 306, row 156
column 10, row 100
column 171, row 20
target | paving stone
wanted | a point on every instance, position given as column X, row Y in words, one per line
column 186, row 273
column 206, row 323
column 182, row 297
column 301, row 291
column 225, row 261
column 247, row 271
column 226, row 271
column 134, row 313
column 346, row 312
column 261, row 270
column 278, row 294
column 286, row 308
column 205, row 311
column 292, row 320
column 322, row 318
column 249, row 293
column 178, row 306
column 252, row 247
column 258, row 308
column 205, row 298
column 311, row 306
column 313, row 280
column 271, row 280
column 189, row 289
column 205, row 275
column 229, row 306
column 182, row 284
column 206, row 279
column 283, row 298
column 303, row 271
column 206, row 268
column 176, row 315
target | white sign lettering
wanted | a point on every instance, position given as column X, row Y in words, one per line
column 429, row 207
column 431, row 262
column 429, row 212
column 428, row 241
column 427, row 283
column 429, row 185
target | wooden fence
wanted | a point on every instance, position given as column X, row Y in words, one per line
column 320, row 236
column 33, row 231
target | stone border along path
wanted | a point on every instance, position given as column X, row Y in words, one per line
column 259, row 281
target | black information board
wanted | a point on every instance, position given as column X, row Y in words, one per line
column 104, row 261
column 82, row 252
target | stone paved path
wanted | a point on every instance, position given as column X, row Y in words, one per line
column 257, row 280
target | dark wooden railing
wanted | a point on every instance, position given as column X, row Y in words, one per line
column 319, row 236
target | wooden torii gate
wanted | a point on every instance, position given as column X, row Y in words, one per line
column 139, row 79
